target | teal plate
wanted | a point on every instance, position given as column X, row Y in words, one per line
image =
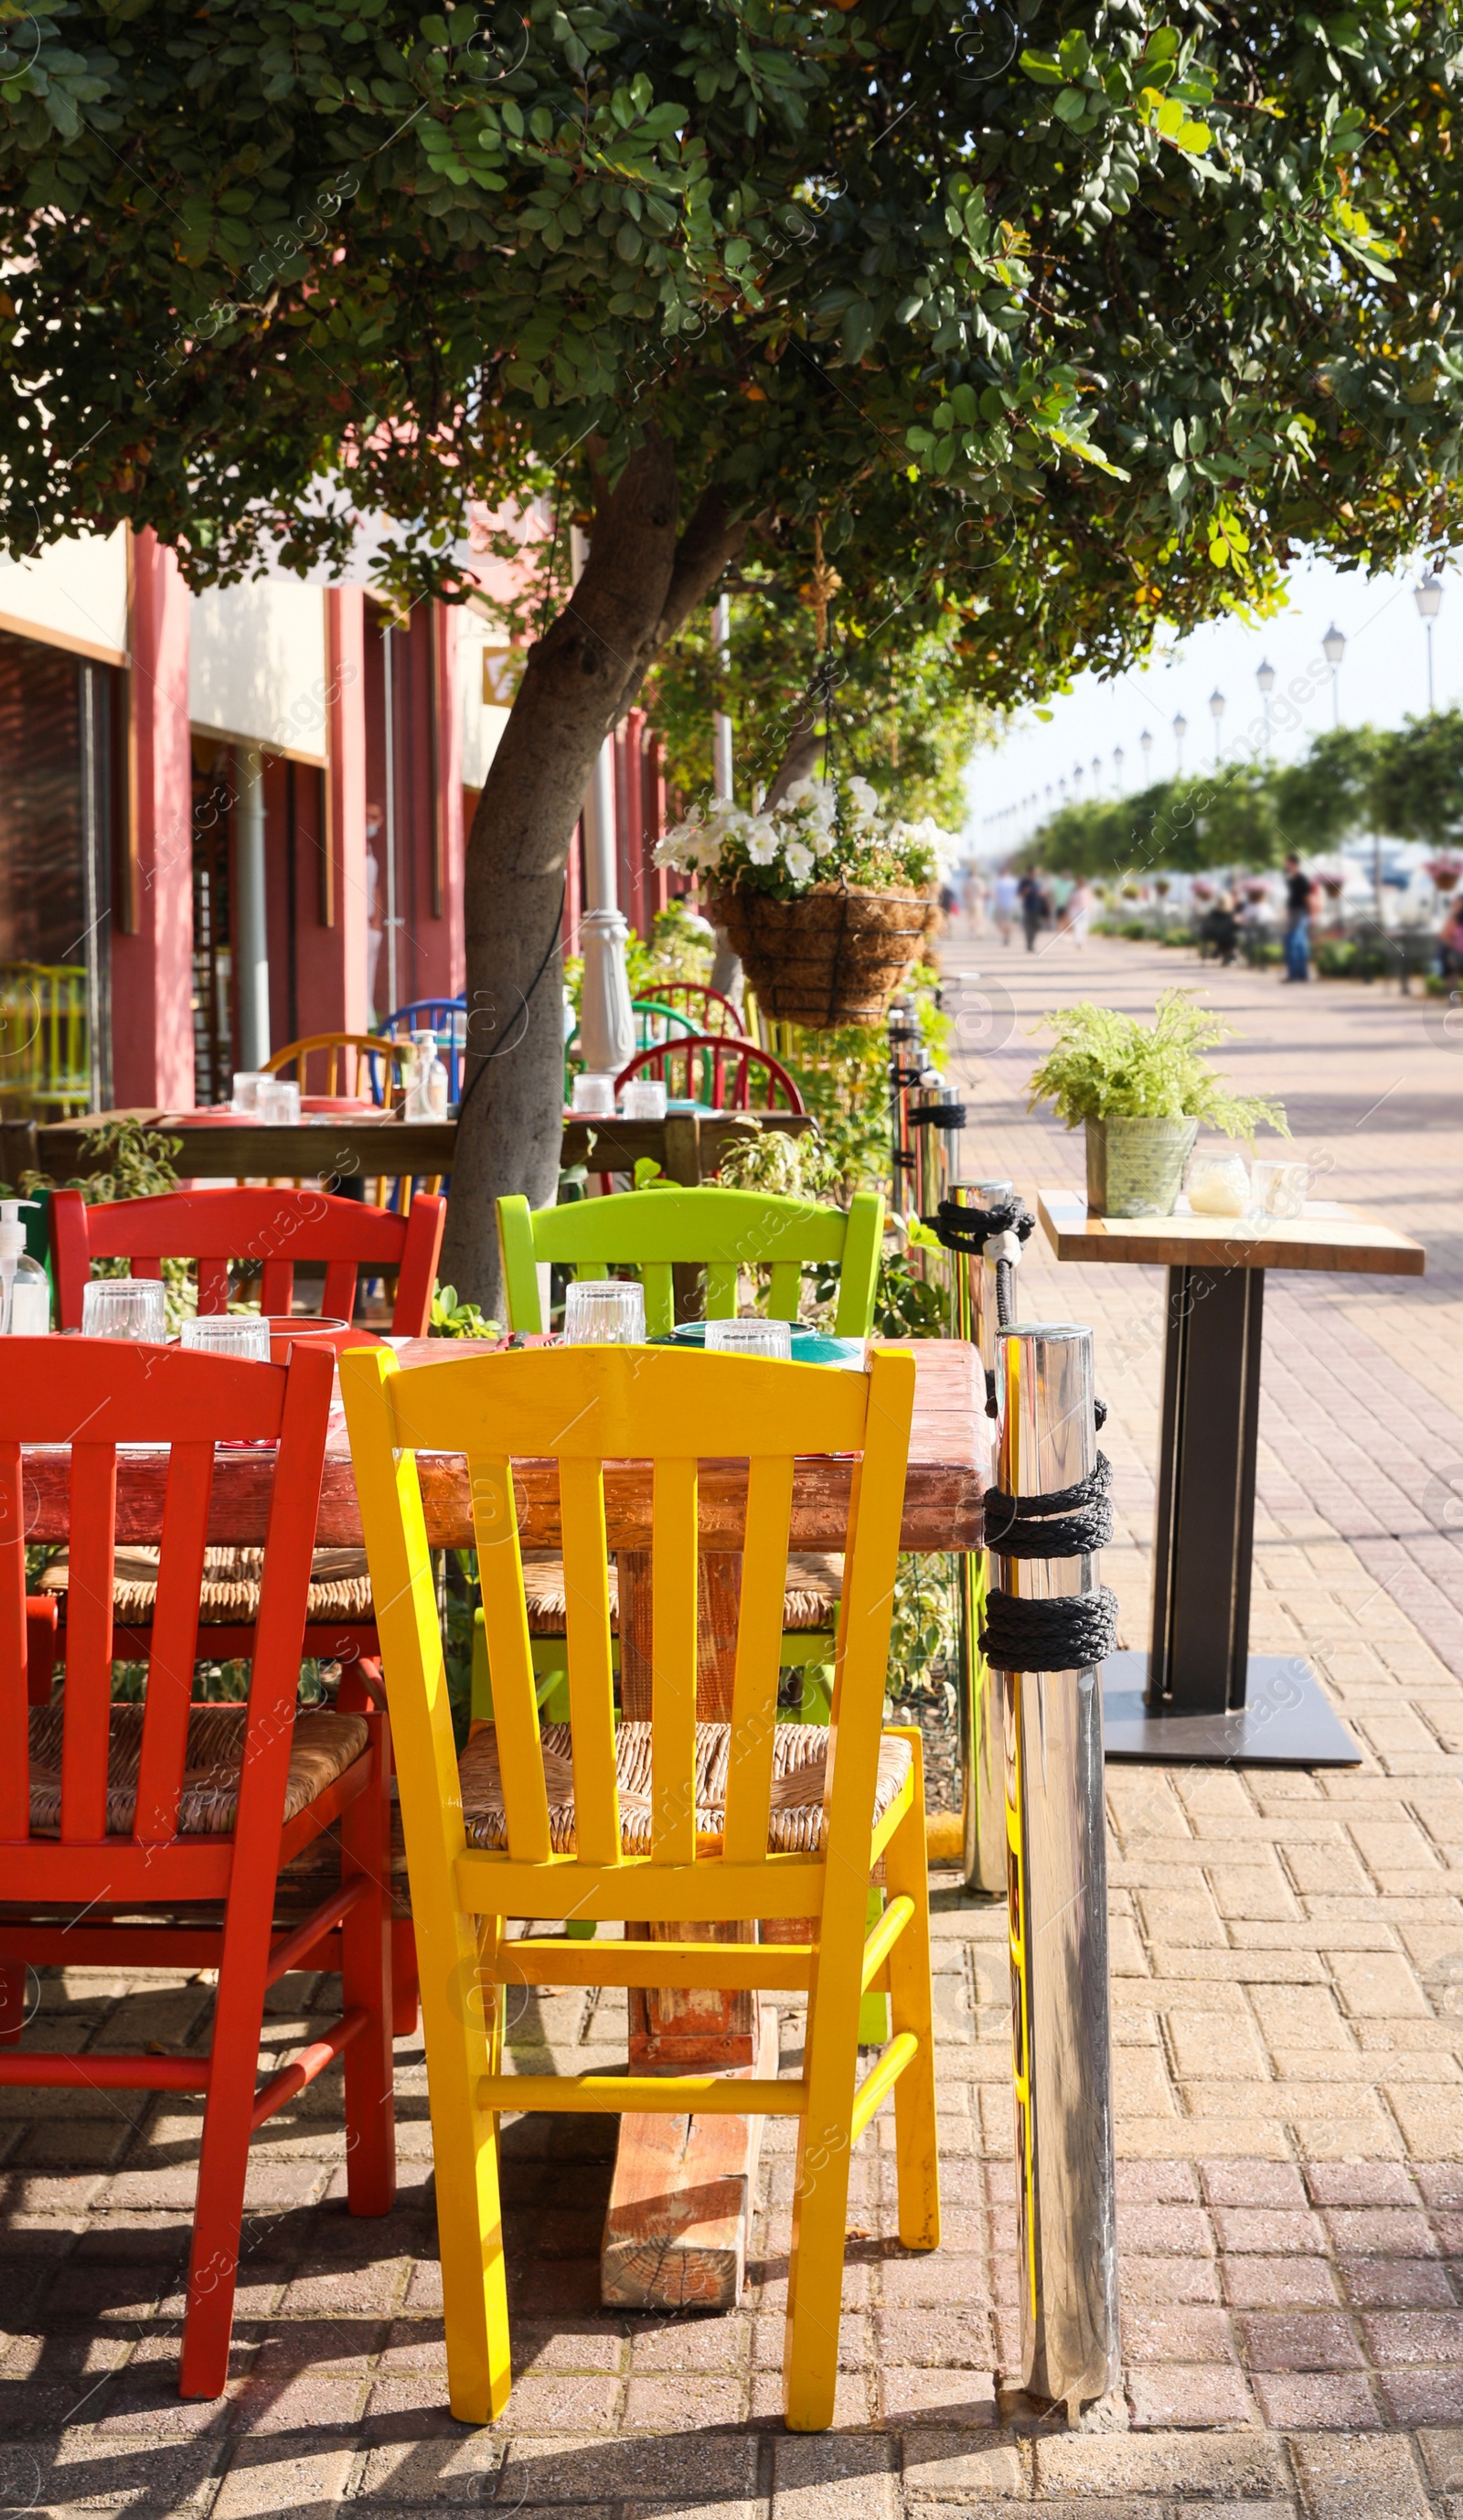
column 808, row 1347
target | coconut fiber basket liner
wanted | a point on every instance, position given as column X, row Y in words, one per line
column 833, row 956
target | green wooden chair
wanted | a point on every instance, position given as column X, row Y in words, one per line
column 649, row 1233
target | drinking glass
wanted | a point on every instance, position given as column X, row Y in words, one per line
column 604, row 1311
column 243, row 1335
column 594, row 1097
column 644, row 1099
column 279, row 1102
column 126, row 1308
column 247, row 1084
column 1219, row 1185
column 749, row 1339
column 1280, row 1187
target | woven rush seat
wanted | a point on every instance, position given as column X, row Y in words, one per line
column 322, row 1747
column 339, row 1586
column 795, row 1824
column 814, row 1582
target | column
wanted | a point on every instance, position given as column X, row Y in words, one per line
column 333, row 969
column 151, row 951
column 251, row 913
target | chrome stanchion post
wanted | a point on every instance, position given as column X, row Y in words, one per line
column 982, row 1778
column 1057, row 1867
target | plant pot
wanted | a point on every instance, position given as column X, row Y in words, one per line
column 1135, row 1167
column 833, row 956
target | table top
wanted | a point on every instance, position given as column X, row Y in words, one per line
column 228, row 1146
column 948, row 1471
column 1326, row 1237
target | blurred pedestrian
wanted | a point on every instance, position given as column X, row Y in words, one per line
column 1079, row 911
column 1007, row 903
column 1300, row 898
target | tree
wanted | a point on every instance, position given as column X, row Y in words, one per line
column 1064, row 332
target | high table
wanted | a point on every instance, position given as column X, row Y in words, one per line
column 679, row 2211
column 364, row 1145
column 1199, row 1693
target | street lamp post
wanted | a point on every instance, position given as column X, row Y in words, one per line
column 1265, row 675
column 1428, row 598
column 1118, row 759
column 1334, row 647
column 1145, row 741
column 1180, row 730
column 1216, row 712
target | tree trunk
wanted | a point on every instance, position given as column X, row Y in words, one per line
column 638, row 585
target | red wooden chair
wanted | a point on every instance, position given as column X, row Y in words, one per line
column 718, row 1071
column 166, row 1805
column 710, row 1009
column 277, row 1227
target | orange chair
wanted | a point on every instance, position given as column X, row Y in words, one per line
column 710, row 1010
column 719, row 1071
column 166, row 1806
column 360, row 1069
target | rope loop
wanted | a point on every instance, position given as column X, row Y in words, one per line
column 1066, row 1631
column 970, row 1229
column 1064, row 1522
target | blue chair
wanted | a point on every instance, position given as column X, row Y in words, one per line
column 447, row 1018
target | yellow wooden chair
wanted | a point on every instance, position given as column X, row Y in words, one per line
column 670, row 1820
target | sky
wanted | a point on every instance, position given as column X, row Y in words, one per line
column 1381, row 680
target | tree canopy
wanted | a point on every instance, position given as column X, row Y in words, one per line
column 1069, row 328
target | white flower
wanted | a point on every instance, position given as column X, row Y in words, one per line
column 761, row 841
column 864, row 797
column 798, row 860
column 820, row 840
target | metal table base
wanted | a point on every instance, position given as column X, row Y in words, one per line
column 1286, row 1720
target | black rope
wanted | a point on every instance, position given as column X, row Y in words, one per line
column 1065, row 1632
column 1065, row 1522
column 484, row 1058
column 970, row 1229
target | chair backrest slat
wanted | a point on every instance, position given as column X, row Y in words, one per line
column 721, row 1290
column 759, row 1640
column 338, row 1301
column 175, row 1639
column 592, row 1709
column 15, row 1742
column 276, row 1287
column 214, row 1284
column 87, row 1719
column 659, row 1283
column 785, row 1291
column 673, row 1656
column 515, row 1713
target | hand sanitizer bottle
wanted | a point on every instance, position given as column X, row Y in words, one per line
column 25, row 1287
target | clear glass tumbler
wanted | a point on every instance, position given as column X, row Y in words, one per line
column 643, row 1099
column 279, row 1102
column 126, row 1308
column 594, row 1097
column 247, row 1084
column 749, row 1339
column 245, row 1334
column 1280, row 1187
column 604, row 1311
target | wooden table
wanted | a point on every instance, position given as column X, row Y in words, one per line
column 686, row 1144
column 1199, row 1693
column 677, row 2232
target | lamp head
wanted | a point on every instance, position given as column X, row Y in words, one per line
column 1265, row 675
column 1180, row 725
column 1428, row 597
column 1334, row 645
column 1216, row 705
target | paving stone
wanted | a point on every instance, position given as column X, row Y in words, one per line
column 280, row 2474
column 1220, row 2464
column 1316, row 2401
column 828, row 2477
column 946, row 2465
column 589, row 2468
column 1352, row 2474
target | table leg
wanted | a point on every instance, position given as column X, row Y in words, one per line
column 680, row 2202
column 1199, row 1657
column 1199, row 1693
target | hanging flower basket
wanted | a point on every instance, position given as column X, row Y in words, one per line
column 830, row 957
column 826, row 900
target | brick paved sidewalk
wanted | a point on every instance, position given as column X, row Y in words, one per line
column 1288, row 1956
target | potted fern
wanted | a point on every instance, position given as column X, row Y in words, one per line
column 1141, row 1092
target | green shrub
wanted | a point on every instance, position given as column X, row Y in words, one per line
column 1111, row 1066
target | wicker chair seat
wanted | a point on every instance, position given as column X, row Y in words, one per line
column 796, row 1820
column 339, row 1586
column 322, row 1747
column 814, row 1581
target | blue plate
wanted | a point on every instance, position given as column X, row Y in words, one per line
column 808, row 1347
